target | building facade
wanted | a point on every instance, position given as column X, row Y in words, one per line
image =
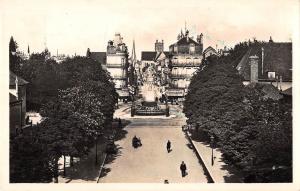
column 185, row 58
column 117, row 61
column 210, row 51
column 159, row 60
column 17, row 102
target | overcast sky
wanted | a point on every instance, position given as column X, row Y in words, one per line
column 73, row 26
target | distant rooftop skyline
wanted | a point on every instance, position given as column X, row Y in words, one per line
column 73, row 27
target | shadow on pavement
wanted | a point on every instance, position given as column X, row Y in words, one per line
column 110, row 159
column 121, row 134
column 85, row 169
column 234, row 175
column 190, row 146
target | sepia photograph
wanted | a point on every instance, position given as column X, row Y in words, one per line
column 175, row 94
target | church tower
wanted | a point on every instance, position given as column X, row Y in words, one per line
column 159, row 46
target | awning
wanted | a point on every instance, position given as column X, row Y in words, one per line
column 175, row 92
column 123, row 93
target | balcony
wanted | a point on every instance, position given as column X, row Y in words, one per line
column 115, row 65
column 119, row 77
column 189, row 64
column 180, row 76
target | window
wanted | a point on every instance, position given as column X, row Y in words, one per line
column 192, row 48
column 188, row 60
column 271, row 75
column 176, row 83
column 176, row 49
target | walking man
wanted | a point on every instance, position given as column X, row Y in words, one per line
column 169, row 146
column 183, row 169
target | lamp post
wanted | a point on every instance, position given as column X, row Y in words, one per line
column 212, row 149
column 167, row 106
column 96, row 141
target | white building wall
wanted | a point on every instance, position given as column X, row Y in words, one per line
column 119, row 83
column 116, row 59
column 116, row 72
column 116, row 67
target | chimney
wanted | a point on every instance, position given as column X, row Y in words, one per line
column 253, row 69
column 262, row 61
column 201, row 38
column 17, row 88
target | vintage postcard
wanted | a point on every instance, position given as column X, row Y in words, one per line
column 168, row 95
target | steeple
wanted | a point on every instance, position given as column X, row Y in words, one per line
column 271, row 40
column 133, row 55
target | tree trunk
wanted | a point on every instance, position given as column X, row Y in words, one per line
column 71, row 161
column 56, row 171
column 64, row 165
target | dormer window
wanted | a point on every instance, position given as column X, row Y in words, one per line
column 192, row 48
column 176, row 49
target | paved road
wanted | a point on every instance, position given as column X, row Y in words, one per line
column 151, row 163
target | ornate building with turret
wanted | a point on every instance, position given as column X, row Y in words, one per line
column 185, row 58
column 117, row 61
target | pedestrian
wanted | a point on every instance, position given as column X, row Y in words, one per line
column 183, row 169
column 169, row 146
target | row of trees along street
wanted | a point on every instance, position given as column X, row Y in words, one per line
column 76, row 99
column 254, row 134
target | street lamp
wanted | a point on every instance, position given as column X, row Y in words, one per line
column 96, row 148
column 212, row 149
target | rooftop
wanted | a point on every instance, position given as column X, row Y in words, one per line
column 185, row 41
column 148, row 55
column 12, row 79
column 277, row 58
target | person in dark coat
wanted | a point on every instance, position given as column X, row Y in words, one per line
column 169, row 146
column 183, row 169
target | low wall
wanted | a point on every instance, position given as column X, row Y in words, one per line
column 206, row 170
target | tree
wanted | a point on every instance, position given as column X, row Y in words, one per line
column 254, row 133
column 28, row 158
column 14, row 59
column 76, row 118
column 88, row 53
column 77, row 100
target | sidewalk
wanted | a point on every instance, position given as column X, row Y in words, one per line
column 84, row 169
column 220, row 171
